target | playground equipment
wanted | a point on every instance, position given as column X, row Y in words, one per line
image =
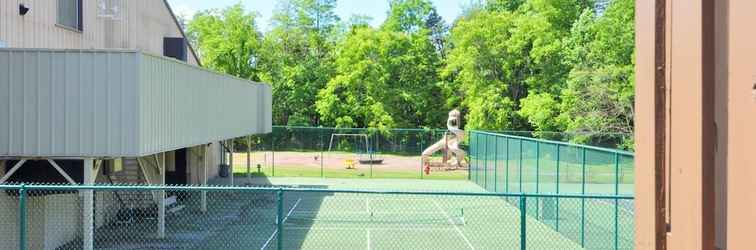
column 365, row 156
column 449, row 145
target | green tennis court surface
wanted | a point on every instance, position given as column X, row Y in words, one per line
column 366, row 221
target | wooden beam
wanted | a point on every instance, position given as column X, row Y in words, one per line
column 161, row 197
column 231, row 162
column 13, row 170
column 249, row 158
column 88, row 207
column 63, row 173
column 203, row 197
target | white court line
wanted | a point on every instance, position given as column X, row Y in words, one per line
column 367, row 205
column 386, row 199
column 371, row 229
column 455, row 225
column 368, row 239
column 282, row 221
column 363, row 213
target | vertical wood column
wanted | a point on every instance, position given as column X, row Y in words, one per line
column 231, row 162
column 249, row 158
column 161, row 197
column 203, row 198
column 88, row 206
column 650, row 125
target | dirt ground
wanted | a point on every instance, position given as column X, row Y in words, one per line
column 329, row 160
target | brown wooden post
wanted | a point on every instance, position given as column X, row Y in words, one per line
column 675, row 131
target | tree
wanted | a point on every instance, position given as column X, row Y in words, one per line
column 477, row 70
column 298, row 57
column 600, row 94
column 408, row 16
column 384, row 79
column 505, row 52
column 228, row 41
column 438, row 32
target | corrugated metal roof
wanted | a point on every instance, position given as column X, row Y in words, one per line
column 119, row 103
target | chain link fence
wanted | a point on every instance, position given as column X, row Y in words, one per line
column 343, row 153
column 152, row 217
column 507, row 163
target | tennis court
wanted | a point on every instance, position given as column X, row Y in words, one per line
column 369, row 221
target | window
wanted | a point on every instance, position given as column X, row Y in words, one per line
column 69, row 14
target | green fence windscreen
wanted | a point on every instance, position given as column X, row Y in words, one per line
column 506, row 163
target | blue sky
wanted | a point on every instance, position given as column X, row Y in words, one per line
column 377, row 9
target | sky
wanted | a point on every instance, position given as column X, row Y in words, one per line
column 376, row 9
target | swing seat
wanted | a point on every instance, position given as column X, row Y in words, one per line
column 371, row 161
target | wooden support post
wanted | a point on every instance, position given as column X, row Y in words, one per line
column 203, row 198
column 12, row 170
column 249, row 158
column 231, row 162
column 160, row 163
column 88, row 206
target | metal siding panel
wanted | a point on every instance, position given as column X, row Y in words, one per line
column 268, row 109
column 16, row 103
column 59, row 124
column 118, row 103
column 115, row 102
column 44, row 103
column 86, row 105
column 5, row 66
column 188, row 106
column 100, row 93
column 71, row 114
column 30, row 96
column 130, row 105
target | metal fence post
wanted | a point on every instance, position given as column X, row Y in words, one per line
column 421, row 153
column 523, row 222
column 558, row 159
column 520, row 168
column 616, row 201
column 322, row 146
column 485, row 163
column 279, row 219
column 582, row 205
column 22, row 217
column 470, row 163
column 506, row 181
column 273, row 154
column 538, row 166
column 496, row 163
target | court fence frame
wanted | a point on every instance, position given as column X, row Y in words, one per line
column 493, row 157
column 412, row 142
column 398, row 141
column 489, row 150
column 525, row 210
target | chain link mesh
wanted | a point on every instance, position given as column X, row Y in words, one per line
column 505, row 163
column 347, row 153
column 129, row 217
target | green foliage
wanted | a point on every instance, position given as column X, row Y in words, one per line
column 384, row 79
column 228, row 41
column 600, row 94
column 299, row 58
column 542, row 65
column 408, row 15
column 542, row 111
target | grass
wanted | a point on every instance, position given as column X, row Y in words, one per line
column 360, row 173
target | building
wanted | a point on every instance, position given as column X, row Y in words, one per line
column 109, row 91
